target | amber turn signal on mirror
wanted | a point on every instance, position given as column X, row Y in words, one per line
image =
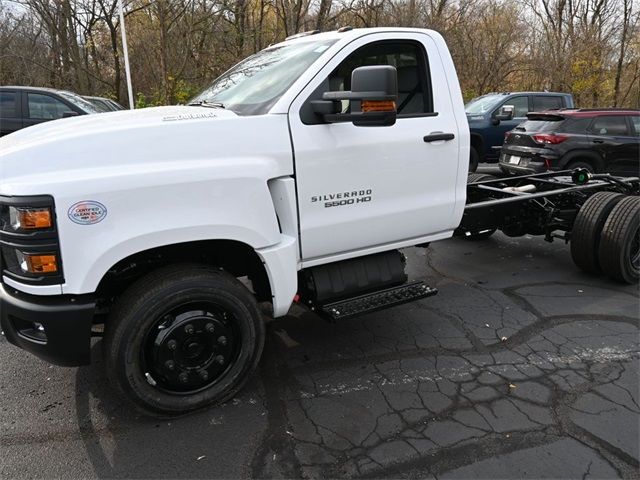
column 30, row 218
column 378, row 106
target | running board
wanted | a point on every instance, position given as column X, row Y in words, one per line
column 378, row 300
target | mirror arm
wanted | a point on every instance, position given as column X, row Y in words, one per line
column 357, row 96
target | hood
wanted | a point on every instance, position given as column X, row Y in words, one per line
column 113, row 145
column 474, row 117
column 106, row 123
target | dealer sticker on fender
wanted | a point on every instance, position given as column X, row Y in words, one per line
column 87, row 212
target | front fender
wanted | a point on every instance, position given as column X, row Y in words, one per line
column 167, row 212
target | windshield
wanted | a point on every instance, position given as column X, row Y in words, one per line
column 100, row 105
column 483, row 104
column 80, row 102
column 254, row 85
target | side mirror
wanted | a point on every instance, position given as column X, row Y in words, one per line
column 506, row 113
column 69, row 114
column 372, row 99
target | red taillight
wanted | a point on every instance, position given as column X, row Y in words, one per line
column 507, row 134
column 549, row 138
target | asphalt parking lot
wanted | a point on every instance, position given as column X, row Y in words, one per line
column 521, row 366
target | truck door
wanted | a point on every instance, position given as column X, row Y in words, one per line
column 367, row 187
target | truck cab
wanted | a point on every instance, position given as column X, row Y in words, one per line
column 490, row 116
column 300, row 171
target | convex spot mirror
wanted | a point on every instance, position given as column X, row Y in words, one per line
column 372, row 99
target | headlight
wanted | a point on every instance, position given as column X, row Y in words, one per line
column 21, row 218
column 29, row 241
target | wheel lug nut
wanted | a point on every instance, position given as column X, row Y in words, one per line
column 170, row 364
column 171, row 344
column 204, row 374
column 220, row 359
column 183, row 377
column 222, row 340
column 189, row 329
column 209, row 327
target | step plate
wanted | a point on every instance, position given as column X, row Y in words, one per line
column 371, row 302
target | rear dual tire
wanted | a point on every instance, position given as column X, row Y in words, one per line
column 605, row 236
column 619, row 249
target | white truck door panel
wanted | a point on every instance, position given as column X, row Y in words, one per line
column 361, row 187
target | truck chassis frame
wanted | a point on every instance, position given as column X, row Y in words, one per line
column 536, row 204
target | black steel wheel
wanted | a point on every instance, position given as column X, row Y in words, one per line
column 587, row 228
column 182, row 338
column 619, row 249
column 190, row 348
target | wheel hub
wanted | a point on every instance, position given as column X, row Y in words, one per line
column 187, row 351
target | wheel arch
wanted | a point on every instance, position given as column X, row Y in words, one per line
column 585, row 155
column 235, row 257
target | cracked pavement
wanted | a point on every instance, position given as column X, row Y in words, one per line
column 521, row 366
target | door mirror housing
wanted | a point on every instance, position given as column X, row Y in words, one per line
column 506, row 113
column 372, row 99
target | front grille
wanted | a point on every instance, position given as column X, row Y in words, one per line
column 34, row 242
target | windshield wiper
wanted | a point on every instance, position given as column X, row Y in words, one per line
column 204, row 103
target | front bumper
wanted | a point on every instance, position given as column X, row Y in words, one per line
column 56, row 329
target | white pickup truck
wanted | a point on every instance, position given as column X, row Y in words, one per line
column 296, row 176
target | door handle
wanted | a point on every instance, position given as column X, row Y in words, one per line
column 434, row 137
column 597, row 141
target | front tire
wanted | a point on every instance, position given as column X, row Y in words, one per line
column 182, row 338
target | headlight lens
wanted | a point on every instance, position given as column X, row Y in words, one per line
column 30, row 218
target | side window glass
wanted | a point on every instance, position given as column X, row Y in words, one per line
column 45, row 107
column 611, row 125
column 546, row 103
column 576, row 125
column 520, row 104
column 635, row 119
column 8, row 104
column 414, row 90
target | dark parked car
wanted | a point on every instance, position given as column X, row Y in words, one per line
column 493, row 114
column 602, row 141
column 104, row 104
column 22, row 107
